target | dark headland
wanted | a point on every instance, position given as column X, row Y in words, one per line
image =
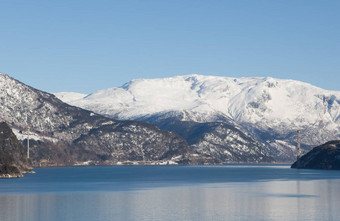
column 324, row 157
column 13, row 160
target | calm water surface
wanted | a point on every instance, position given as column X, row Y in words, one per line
column 230, row 192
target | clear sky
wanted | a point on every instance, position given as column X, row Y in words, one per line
column 84, row 46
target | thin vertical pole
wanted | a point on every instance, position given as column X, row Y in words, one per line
column 299, row 143
column 28, row 141
column 28, row 145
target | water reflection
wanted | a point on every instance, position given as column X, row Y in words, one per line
column 273, row 200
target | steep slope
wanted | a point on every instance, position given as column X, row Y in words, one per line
column 13, row 160
column 224, row 141
column 325, row 157
column 61, row 134
column 270, row 109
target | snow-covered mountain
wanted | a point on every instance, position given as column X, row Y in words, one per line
column 61, row 134
column 271, row 110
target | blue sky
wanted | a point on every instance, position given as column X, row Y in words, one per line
column 84, row 46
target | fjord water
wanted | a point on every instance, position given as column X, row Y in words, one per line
column 228, row 192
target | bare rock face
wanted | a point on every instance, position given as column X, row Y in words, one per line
column 13, row 158
column 324, row 157
column 62, row 135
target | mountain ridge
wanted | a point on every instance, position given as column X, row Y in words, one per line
column 271, row 109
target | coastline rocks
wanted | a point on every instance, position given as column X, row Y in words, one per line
column 7, row 171
column 324, row 157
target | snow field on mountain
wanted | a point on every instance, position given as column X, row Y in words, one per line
column 251, row 100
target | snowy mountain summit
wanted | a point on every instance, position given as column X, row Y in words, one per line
column 270, row 109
